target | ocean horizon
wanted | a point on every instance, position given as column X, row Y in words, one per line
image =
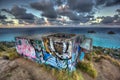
column 100, row 37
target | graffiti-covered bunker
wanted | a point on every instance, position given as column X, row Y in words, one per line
column 60, row 50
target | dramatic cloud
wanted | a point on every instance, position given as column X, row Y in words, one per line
column 65, row 11
column 6, row 22
column 6, row 10
column 20, row 13
column 59, row 2
column 46, row 6
column 107, row 2
column 118, row 10
column 3, row 17
column 81, row 5
column 107, row 20
column 80, row 11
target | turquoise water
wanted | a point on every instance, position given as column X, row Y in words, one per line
column 100, row 38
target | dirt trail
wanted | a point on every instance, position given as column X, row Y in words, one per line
column 107, row 70
column 22, row 69
column 37, row 72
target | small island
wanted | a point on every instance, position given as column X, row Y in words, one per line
column 111, row 32
column 91, row 31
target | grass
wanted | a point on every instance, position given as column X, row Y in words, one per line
column 112, row 60
column 63, row 74
column 5, row 45
column 88, row 68
column 85, row 66
column 98, row 57
column 10, row 53
column 7, row 51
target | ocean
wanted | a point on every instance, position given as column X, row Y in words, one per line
column 100, row 38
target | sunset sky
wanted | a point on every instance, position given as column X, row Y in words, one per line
column 59, row 12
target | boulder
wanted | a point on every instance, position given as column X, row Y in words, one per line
column 111, row 32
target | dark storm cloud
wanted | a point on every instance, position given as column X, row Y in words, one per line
column 100, row 2
column 64, row 11
column 6, row 22
column 20, row 13
column 6, row 10
column 72, row 16
column 118, row 10
column 3, row 17
column 117, row 18
column 107, row 3
column 10, row 22
column 81, row 5
column 46, row 6
column 107, row 20
column 114, row 19
column 58, row 2
column 77, row 10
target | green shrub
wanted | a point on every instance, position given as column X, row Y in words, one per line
column 63, row 74
column 88, row 68
column 10, row 53
column 88, row 57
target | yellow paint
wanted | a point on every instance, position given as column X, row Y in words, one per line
column 46, row 42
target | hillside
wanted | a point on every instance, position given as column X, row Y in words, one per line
column 96, row 66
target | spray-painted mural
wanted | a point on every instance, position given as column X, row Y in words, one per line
column 57, row 50
column 24, row 48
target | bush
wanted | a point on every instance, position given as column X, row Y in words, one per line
column 10, row 53
column 88, row 68
column 63, row 74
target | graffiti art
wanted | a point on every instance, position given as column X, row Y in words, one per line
column 59, row 50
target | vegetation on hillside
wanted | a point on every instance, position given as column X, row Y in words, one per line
column 88, row 68
column 8, row 51
column 63, row 74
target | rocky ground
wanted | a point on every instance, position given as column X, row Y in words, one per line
column 107, row 67
column 107, row 71
column 22, row 69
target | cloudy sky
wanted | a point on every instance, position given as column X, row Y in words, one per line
column 59, row 12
